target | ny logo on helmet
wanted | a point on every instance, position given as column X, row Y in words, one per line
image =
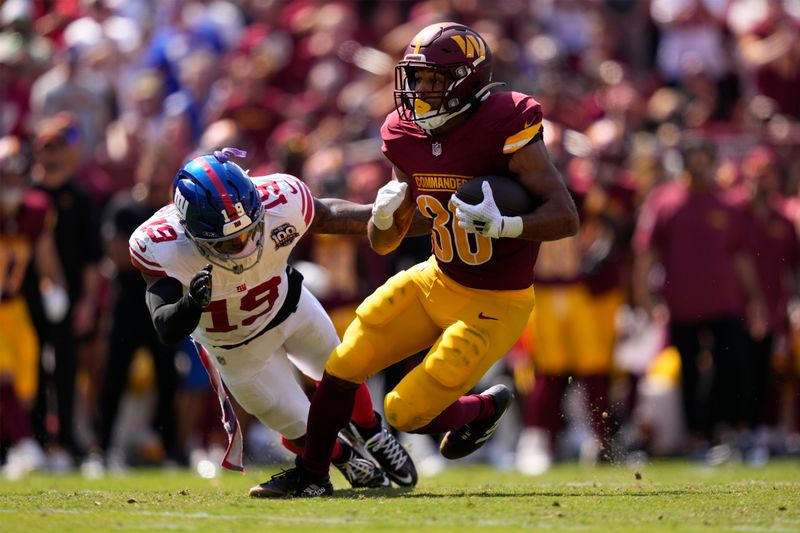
column 181, row 203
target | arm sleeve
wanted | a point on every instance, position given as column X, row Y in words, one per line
column 174, row 314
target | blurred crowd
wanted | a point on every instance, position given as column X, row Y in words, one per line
column 669, row 326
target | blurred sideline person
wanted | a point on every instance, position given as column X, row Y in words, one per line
column 777, row 259
column 711, row 293
column 77, row 236
column 472, row 299
column 581, row 282
column 215, row 263
column 566, row 343
column 131, row 327
column 26, row 240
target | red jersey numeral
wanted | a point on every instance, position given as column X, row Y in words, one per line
column 263, row 293
column 160, row 231
column 219, row 317
column 275, row 189
column 266, row 292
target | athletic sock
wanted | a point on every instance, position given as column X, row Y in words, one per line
column 331, row 409
column 543, row 405
column 363, row 411
column 291, row 446
column 14, row 422
column 463, row 411
column 597, row 386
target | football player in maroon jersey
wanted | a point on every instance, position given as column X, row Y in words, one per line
column 471, row 300
column 27, row 218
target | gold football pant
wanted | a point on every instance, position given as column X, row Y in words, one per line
column 19, row 348
column 469, row 329
column 571, row 334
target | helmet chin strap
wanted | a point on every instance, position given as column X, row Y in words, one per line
column 437, row 121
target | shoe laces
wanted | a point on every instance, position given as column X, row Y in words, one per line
column 286, row 474
column 385, row 444
column 358, row 469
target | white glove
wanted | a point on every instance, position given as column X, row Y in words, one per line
column 485, row 218
column 55, row 302
column 389, row 198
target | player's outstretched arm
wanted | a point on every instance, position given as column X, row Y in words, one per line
column 176, row 315
column 340, row 217
column 556, row 217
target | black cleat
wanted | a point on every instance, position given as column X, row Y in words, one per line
column 294, row 482
column 463, row 441
column 387, row 451
column 360, row 471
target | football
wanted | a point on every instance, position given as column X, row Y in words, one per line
column 511, row 198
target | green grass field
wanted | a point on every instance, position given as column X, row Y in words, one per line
column 666, row 496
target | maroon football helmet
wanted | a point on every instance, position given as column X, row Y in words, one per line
column 462, row 58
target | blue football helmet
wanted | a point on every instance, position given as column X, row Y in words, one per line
column 221, row 210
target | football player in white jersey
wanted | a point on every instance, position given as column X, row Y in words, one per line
column 215, row 262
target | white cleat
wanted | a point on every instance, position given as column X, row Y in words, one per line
column 533, row 452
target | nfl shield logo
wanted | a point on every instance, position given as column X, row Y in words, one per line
column 436, row 149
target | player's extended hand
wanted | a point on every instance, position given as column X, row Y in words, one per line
column 200, row 287
column 389, row 198
column 483, row 218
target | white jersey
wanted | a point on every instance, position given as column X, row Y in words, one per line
column 241, row 304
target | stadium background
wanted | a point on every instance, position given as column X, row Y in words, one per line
column 132, row 89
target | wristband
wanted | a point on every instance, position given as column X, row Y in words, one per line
column 511, row 227
column 383, row 223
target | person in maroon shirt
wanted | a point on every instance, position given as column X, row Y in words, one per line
column 710, row 286
column 774, row 244
column 472, row 299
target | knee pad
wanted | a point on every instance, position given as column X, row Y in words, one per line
column 352, row 369
column 388, row 301
column 402, row 413
column 454, row 360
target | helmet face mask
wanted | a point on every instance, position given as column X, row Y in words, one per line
column 458, row 63
column 238, row 252
column 221, row 211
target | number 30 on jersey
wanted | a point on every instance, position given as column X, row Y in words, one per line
column 450, row 238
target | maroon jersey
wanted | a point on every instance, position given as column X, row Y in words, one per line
column 776, row 255
column 698, row 235
column 437, row 165
column 18, row 235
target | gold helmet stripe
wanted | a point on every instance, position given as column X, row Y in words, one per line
column 470, row 46
column 461, row 44
column 477, row 44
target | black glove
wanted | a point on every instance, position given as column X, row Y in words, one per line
column 200, row 288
